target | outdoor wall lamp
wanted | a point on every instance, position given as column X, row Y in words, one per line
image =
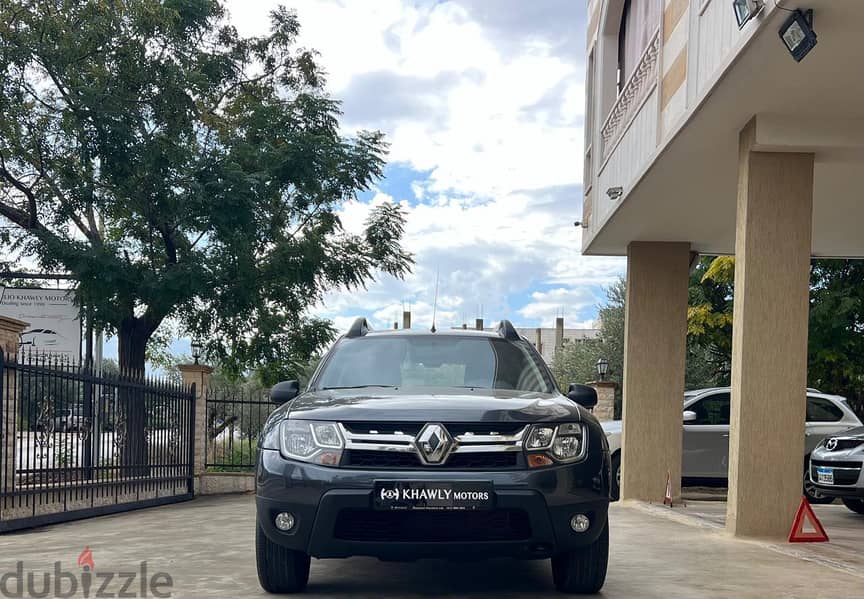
column 602, row 368
column 196, row 350
column 798, row 35
column 746, row 10
column 615, row 192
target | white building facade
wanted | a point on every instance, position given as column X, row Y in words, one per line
column 706, row 135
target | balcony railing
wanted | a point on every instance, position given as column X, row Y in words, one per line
column 637, row 88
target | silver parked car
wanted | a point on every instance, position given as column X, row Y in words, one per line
column 706, row 436
column 835, row 468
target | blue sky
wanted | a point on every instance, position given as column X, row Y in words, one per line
column 482, row 102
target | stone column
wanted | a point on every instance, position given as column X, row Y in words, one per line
column 654, row 352
column 605, row 409
column 10, row 336
column 769, row 339
column 200, row 375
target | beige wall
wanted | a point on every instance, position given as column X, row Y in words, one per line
column 769, row 344
column 654, row 352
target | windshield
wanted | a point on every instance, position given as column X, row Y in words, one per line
column 426, row 361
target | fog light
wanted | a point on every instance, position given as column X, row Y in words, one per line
column 580, row 523
column 285, row 521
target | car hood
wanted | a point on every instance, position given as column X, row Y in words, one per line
column 856, row 433
column 488, row 405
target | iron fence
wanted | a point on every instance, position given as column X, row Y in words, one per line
column 235, row 417
column 77, row 443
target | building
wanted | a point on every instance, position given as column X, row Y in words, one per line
column 710, row 129
column 549, row 340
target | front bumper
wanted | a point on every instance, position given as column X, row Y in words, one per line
column 543, row 501
column 847, row 470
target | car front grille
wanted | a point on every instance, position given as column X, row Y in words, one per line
column 431, row 527
column 844, row 444
column 845, row 472
column 395, row 445
column 385, row 460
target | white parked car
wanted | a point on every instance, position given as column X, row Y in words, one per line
column 706, row 436
column 836, row 468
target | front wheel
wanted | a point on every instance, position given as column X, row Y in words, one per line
column 856, row 505
column 280, row 570
column 615, row 482
column 583, row 570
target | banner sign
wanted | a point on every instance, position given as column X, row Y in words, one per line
column 54, row 321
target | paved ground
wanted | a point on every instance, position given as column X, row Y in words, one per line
column 206, row 546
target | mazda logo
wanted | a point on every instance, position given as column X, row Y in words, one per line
column 831, row 445
column 434, row 443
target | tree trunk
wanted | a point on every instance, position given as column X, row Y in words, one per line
column 133, row 336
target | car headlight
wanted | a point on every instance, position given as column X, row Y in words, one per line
column 562, row 443
column 310, row 441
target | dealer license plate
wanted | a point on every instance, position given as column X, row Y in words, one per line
column 825, row 476
column 433, row 495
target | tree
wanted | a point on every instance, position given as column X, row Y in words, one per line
column 704, row 366
column 180, row 171
column 577, row 362
column 836, row 337
column 709, row 320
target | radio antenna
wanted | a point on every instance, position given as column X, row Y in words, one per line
column 435, row 302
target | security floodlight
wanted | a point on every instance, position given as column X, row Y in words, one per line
column 746, row 10
column 615, row 192
column 196, row 350
column 602, row 368
column 798, row 35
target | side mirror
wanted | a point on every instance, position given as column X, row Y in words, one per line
column 584, row 395
column 689, row 416
column 284, row 391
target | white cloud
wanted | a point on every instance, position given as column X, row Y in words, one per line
column 569, row 303
column 490, row 104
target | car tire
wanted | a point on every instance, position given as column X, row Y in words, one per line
column 280, row 570
column 583, row 570
column 856, row 505
column 615, row 479
column 814, row 496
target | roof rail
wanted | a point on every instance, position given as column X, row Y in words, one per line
column 358, row 329
column 506, row 330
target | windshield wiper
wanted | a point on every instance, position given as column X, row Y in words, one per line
column 359, row 387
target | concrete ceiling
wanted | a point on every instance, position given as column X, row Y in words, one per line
column 689, row 194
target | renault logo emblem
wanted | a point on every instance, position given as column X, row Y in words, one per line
column 434, row 443
column 831, row 445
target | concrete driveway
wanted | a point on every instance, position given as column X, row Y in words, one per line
column 206, row 546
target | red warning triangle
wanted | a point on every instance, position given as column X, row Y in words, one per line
column 805, row 513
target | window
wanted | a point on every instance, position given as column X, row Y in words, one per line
column 822, row 410
column 639, row 20
column 713, row 409
column 425, row 361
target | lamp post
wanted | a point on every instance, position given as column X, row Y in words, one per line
column 196, row 350
column 602, row 368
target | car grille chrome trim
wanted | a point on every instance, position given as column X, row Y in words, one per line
column 464, row 443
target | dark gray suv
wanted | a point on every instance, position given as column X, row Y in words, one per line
column 444, row 444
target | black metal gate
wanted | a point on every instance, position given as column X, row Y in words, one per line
column 235, row 417
column 75, row 443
